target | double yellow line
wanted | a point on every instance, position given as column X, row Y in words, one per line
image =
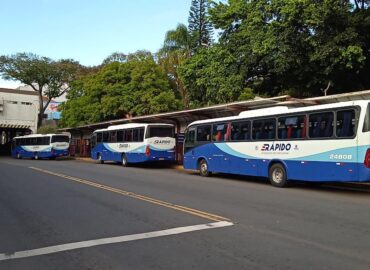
column 176, row 207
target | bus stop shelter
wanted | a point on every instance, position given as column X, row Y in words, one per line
column 181, row 119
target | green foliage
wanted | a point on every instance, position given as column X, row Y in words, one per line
column 46, row 130
column 135, row 87
column 296, row 45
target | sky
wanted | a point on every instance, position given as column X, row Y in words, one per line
column 86, row 30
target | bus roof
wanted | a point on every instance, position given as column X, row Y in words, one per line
column 40, row 135
column 282, row 110
column 132, row 125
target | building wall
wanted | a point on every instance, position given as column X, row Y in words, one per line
column 18, row 108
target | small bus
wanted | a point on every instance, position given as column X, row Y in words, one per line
column 321, row 143
column 134, row 143
column 39, row 146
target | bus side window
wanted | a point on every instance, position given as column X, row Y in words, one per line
column 366, row 127
column 321, row 125
column 113, row 136
column 189, row 139
column 240, row 131
column 346, row 122
column 141, row 134
column 219, row 131
column 204, row 133
column 128, row 135
column 120, row 136
column 264, row 129
column 135, row 135
column 105, row 136
column 99, row 137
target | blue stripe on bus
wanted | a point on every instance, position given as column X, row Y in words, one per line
column 136, row 155
column 297, row 169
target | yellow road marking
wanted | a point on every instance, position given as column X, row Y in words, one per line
column 181, row 208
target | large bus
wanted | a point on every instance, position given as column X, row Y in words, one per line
column 39, row 146
column 319, row 143
column 134, row 143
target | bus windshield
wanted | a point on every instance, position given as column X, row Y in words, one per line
column 160, row 132
column 60, row 138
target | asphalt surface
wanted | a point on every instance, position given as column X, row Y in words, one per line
column 301, row 227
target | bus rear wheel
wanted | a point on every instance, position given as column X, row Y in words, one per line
column 203, row 168
column 36, row 157
column 124, row 160
column 18, row 156
column 277, row 175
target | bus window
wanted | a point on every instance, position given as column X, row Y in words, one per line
column 160, row 131
column 60, row 138
column 321, row 125
column 141, row 134
column 135, row 135
column 264, row 129
column 113, row 136
column 204, row 133
column 105, row 137
column 128, row 135
column 189, row 139
column 120, row 135
column 291, row 127
column 93, row 140
column 219, row 132
column 99, row 137
column 366, row 127
column 240, row 131
column 346, row 122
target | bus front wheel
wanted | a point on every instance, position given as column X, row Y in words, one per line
column 203, row 168
column 277, row 175
column 36, row 157
column 18, row 156
column 100, row 159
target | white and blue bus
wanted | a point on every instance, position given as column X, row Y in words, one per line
column 319, row 143
column 40, row 146
column 134, row 143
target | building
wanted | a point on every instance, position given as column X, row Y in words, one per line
column 18, row 115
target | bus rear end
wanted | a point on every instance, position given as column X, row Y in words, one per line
column 364, row 148
column 160, row 143
column 59, row 146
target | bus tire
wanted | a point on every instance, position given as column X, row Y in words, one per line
column 124, row 162
column 100, row 159
column 36, row 157
column 277, row 175
column 18, row 156
column 203, row 168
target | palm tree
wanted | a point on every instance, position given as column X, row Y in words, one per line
column 176, row 49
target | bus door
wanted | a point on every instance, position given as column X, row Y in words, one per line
column 189, row 145
column 219, row 159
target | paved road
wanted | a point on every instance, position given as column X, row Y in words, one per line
column 45, row 204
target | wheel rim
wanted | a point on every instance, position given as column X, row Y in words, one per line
column 277, row 175
column 123, row 161
column 99, row 157
column 203, row 168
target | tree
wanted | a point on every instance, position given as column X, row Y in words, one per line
column 176, row 49
column 211, row 77
column 295, row 47
column 199, row 25
column 135, row 87
column 47, row 77
column 47, row 130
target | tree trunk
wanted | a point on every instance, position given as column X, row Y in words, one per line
column 41, row 111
